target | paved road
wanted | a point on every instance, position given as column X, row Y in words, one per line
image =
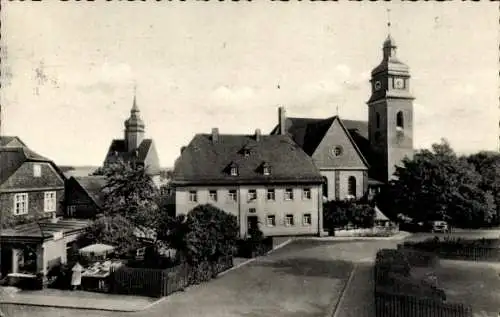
column 302, row 279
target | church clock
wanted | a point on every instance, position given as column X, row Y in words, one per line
column 378, row 85
column 399, row 83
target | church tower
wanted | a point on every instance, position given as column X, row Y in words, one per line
column 134, row 128
column 390, row 111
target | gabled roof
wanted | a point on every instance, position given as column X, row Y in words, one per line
column 5, row 140
column 118, row 150
column 44, row 229
column 11, row 158
column 205, row 161
column 308, row 134
column 93, row 187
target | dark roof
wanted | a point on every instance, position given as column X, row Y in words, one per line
column 11, row 158
column 44, row 228
column 308, row 133
column 118, row 150
column 4, row 140
column 93, row 186
column 204, row 161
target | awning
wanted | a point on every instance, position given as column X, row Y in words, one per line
column 97, row 249
column 379, row 216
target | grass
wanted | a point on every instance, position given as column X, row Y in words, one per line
column 477, row 285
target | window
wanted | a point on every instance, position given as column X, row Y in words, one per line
column 306, row 193
column 234, row 171
column 400, row 120
column 325, row 186
column 246, row 152
column 271, row 221
column 351, row 186
column 71, row 211
column 288, row 194
column 212, row 194
column 232, row 195
column 252, row 210
column 37, row 170
column 266, row 171
column 337, row 151
column 271, row 195
column 377, row 118
column 20, row 204
column 252, row 194
column 289, row 220
column 49, row 202
column 306, row 220
column 193, row 197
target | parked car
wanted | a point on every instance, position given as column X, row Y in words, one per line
column 440, row 226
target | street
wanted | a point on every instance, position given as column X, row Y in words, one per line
column 304, row 278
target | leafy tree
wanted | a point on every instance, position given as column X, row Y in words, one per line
column 114, row 230
column 131, row 193
column 487, row 164
column 338, row 214
column 437, row 185
column 211, row 233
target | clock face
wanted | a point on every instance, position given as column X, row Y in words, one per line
column 378, row 85
column 399, row 83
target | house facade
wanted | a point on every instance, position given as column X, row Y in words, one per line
column 84, row 196
column 31, row 186
column 357, row 157
column 134, row 148
column 265, row 181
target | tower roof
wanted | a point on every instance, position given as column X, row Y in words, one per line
column 390, row 62
column 134, row 121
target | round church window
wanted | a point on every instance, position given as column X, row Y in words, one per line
column 337, row 151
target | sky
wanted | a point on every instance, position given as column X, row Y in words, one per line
column 69, row 69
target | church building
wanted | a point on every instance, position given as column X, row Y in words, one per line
column 134, row 147
column 355, row 157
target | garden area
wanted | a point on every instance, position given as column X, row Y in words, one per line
column 406, row 285
column 356, row 219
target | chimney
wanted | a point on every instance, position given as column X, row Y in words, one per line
column 215, row 135
column 282, row 120
column 257, row 135
column 182, row 149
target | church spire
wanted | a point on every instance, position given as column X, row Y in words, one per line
column 134, row 126
column 389, row 43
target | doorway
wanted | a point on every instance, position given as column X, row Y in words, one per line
column 252, row 223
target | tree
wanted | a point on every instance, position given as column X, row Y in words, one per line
column 114, row 230
column 131, row 193
column 211, row 233
column 487, row 164
column 437, row 185
column 338, row 214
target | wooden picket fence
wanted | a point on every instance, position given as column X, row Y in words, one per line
column 157, row 282
column 467, row 253
column 398, row 305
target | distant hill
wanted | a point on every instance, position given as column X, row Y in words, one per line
column 79, row 171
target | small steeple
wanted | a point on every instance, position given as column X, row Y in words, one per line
column 389, row 43
column 134, row 127
column 134, row 122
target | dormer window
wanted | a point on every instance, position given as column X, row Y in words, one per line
column 246, row 152
column 37, row 170
column 266, row 169
column 234, row 171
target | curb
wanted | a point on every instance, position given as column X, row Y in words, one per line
column 393, row 238
column 335, row 311
column 76, row 307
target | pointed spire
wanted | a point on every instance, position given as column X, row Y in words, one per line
column 389, row 22
column 135, row 108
